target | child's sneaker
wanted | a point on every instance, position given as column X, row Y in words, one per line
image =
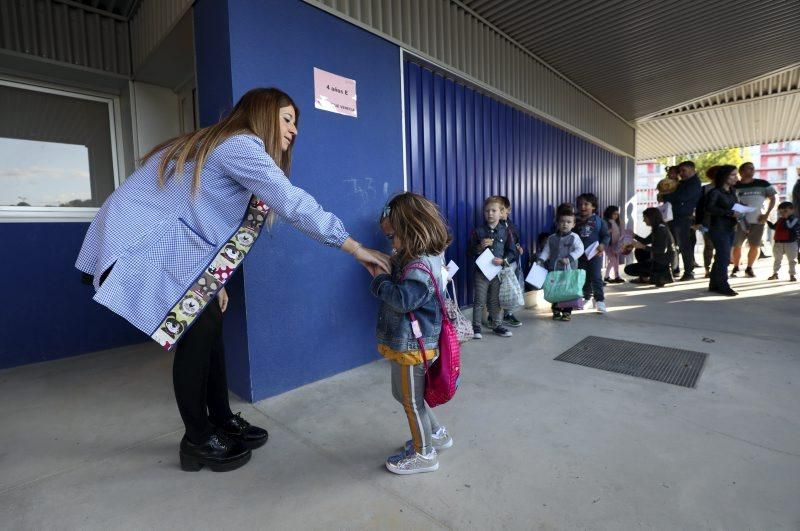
column 587, row 303
column 510, row 320
column 566, row 316
column 502, row 331
column 441, row 440
column 476, row 332
column 557, row 315
column 412, row 463
column 773, row 277
column 601, row 307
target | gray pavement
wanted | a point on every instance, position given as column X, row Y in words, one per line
column 91, row 442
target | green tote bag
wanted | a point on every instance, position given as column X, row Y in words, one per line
column 561, row 286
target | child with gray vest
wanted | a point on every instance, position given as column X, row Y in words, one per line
column 563, row 249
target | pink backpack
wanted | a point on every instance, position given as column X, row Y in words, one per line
column 444, row 375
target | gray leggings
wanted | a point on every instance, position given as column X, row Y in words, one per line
column 487, row 294
column 408, row 388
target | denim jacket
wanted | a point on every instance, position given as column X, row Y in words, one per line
column 592, row 229
column 502, row 242
column 398, row 297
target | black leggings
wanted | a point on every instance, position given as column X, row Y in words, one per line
column 199, row 377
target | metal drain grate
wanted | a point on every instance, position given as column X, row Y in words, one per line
column 664, row 364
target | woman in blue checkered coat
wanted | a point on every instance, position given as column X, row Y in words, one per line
column 164, row 244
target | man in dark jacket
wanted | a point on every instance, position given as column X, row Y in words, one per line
column 684, row 200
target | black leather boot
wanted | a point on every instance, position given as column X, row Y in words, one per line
column 239, row 429
column 217, row 452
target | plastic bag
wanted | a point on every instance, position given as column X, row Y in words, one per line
column 511, row 295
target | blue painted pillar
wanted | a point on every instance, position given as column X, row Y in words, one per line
column 301, row 311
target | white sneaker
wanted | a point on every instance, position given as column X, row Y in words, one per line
column 412, row 463
column 601, row 307
column 587, row 303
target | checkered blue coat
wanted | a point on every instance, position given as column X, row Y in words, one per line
column 160, row 240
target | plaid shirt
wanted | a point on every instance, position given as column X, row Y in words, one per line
column 160, row 240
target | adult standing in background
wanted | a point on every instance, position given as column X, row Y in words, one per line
column 751, row 192
column 701, row 220
column 164, row 244
column 684, row 201
column 796, row 200
column 722, row 223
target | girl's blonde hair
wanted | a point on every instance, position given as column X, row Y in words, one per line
column 257, row 112
column 418, row 224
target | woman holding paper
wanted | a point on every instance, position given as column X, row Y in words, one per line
column 720, row 203
column 164, row 244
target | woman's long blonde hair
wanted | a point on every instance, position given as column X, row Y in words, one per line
column 256, row 112
column 418, row 224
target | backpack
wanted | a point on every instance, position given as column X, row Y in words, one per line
column 444, row 375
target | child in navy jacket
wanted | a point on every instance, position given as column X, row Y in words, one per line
column 592, row 228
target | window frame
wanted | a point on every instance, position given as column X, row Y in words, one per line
column 17, row 214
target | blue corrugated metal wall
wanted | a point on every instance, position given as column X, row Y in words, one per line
column 463, row 146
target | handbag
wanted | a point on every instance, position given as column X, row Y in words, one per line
column 566, row 285
column 510, row 291
column 625, row 244
column 443, row 376
column 462, row 324
column 577, row 304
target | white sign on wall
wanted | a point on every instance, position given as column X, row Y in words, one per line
column 334, row 93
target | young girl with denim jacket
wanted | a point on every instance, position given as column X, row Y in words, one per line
column 418, row 235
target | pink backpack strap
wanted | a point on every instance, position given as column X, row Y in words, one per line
column 414, row 326
column 424, row 267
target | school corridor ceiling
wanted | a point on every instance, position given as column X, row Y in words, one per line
column 691, row 75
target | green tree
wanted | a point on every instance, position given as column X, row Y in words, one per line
column 703, row 161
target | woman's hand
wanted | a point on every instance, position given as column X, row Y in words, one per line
column 639, row 245
column 497, row 261
column 222, row 298
column 487, row 242
column 564, row 261
column 600, row 249
column 375, row 261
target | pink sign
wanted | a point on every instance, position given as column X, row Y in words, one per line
column 334, row 93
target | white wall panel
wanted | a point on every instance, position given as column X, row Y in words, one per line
column 152, row 23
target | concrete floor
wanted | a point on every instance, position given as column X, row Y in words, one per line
column 91, row 442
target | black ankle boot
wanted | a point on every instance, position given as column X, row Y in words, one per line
column 239, row 429
column 217, row 452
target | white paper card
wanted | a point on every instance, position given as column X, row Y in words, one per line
column 742, row 209
column 484, row 262
column 452, row 268
column 591, row 250
column 536, row 276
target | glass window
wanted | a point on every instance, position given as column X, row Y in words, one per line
column 56, row 149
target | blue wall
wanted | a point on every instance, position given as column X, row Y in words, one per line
column 308, row 310
column 46, row 312
column 464, row 146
